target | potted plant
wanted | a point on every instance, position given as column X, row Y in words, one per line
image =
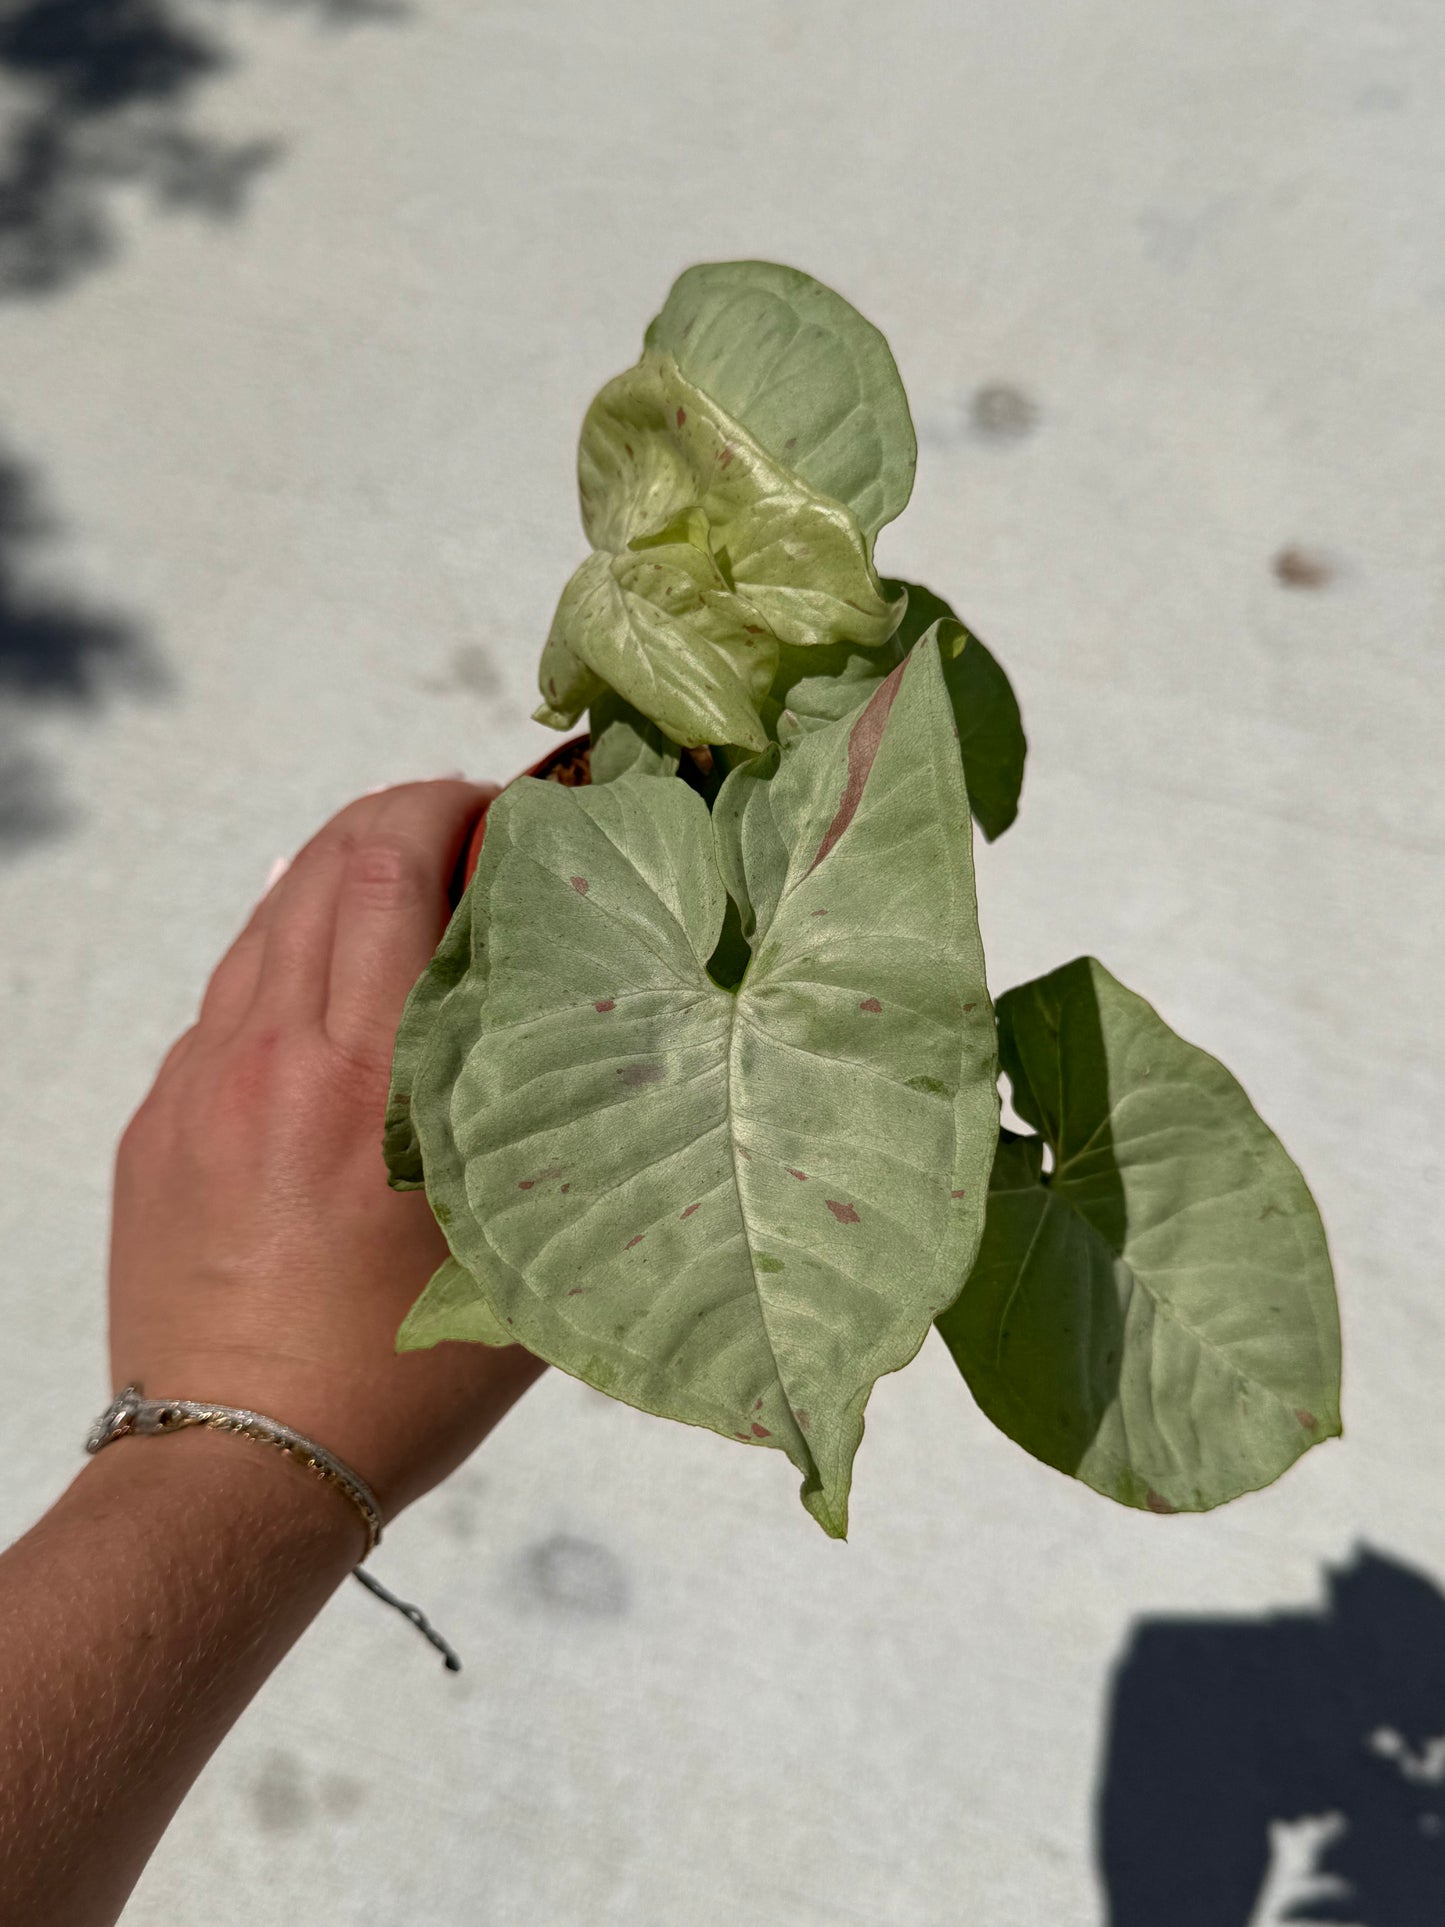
column 703, row 1081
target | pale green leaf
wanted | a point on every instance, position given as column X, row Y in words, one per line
column 623, row 739
column 401, row 1147
column 453, row 1307
column 811, row 380
column 735, row 1210
column 1156, row 1314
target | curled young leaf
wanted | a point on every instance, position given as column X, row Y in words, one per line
column 709, row 554
column 1156, row 1314
column 811, row 380
column 733, row 1209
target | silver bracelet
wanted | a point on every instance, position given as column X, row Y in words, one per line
column 130, row 1412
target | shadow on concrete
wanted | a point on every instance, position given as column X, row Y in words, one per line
column 53, row 652
column 96, row 95
column 1225, row 1733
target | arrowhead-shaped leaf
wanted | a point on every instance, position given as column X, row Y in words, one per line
column 805, row 374
column 1156, row 1314
column 733, row 1209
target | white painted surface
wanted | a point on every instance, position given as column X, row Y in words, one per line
column 322, row 456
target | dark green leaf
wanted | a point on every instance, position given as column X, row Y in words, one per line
column 1156, row 1314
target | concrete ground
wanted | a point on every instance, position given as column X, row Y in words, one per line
column 298, row 318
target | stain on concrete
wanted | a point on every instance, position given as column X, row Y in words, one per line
column 1002, row 413
column 574, row 1575
column 473, row 670
column 1301, row 568
column 280, row 1798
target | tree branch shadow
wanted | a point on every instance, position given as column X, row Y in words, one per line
column 98, row 96
column 1230, row 1738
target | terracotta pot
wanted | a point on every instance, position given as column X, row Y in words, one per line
column 566, row 764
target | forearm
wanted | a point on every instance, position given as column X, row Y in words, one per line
column 140, row 1616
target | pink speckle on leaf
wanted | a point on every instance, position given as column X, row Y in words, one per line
column 871, row 1004
column 817, row 913
column 761, row 1431
column 581, row 886
column 605, row 1003
column 726, row 456
column 634, row 1241
column 1307, row 1420
column 844, row 1213
column 759, row 1406
column 802, row 1176
column 1156, row 1502
column 681, row 416
column 958, row 1194
column 691, row 1208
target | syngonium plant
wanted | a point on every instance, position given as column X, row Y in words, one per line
column 703, row 1081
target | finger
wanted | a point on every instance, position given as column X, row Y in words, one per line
column 393, row 907
column 232, row 987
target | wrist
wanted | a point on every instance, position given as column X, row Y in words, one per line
column 246, row 1500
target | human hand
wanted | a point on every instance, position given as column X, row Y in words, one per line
column 258, row 1256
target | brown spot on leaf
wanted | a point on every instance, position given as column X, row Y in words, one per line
column 1299, row 568
column 802, row 1176
column 605, row 1003
column 1307, row 1419
column 958, row 1194
column 743, row 1436
column 581, row 886
column 690, row 1209
column 634, row 1241
column 754, row 629
column 761, row 1431
column 871, row 1004
column 970, row 1006
column 759, row 1406
column 634, row 1074
column 817, row 913
column 552, row 1171
column 804, row 1422
column 1156, row 1502
column 1271, row 1211
column 681, row 416
column 863, row 740
column 576, row 1291
column 525, row 1184
column 790, row 444
column 725, row 456
column 844, row 1213
column 566, row 1188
